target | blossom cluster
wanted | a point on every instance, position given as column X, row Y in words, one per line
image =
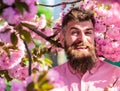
column 15, row 11
column 10, row 57
column 15, row 85
column 107, row 27
column 12, row 54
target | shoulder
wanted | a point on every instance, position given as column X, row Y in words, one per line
column 60, row 69
column 57, row 75
column 63, row 66
column 111, row 67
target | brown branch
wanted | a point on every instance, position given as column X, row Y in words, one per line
column 29, row 57
column 46, row 37
column 60, row 3
column 55, row 33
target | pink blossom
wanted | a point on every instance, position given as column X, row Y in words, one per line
column 19, row 72
column 42, row 22
column 110, row 14
column 3, row 27
column 108, row 2
column 11, row 15
column 8, row 62
column 113, row 33
column 27, row 80
column 54, row 78
column 2, row 84
column 100, row 27
column 38, row 23
column 28, row 15
column 48, row 31
column 88, row 4
column 8, row 2
column 63, row 6
column 39, row 67
column 108, row 49
column 17, row 86
column 29, row 1
column 107, row 27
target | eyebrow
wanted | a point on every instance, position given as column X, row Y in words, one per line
column 78, row 28
column 90, row 29
column 74, row 28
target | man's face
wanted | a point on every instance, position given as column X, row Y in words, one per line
column 79, row 40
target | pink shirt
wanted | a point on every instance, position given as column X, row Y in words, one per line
column 103, row 74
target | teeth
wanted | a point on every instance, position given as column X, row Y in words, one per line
column 83, row 47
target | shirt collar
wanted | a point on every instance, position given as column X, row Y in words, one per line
column 98, row 64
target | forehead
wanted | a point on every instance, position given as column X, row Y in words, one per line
column 80, row 24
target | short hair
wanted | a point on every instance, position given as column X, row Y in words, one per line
column 77, row 14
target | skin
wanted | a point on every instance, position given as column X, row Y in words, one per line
column 79, row 31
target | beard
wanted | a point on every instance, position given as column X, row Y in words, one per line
column 81, row 61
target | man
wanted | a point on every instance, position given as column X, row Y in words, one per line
column 84, row 71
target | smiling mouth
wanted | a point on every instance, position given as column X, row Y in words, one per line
column 81, row 47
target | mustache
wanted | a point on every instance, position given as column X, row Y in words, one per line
column 80, row 43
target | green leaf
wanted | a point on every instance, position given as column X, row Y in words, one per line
column 30, row 87
column 1, row 43
column 25, row 61
column 48, row 62
column 4, row 73
column 47, row 86
column 45, row 81
column 2, row 22
column 14, row 39
column 6, row 49
column 107, row 7
column 8, row 86
column 19, row 27
column 37, row 42
column 21, row 6
column 42, row 77
column 25, row 35
column 13, row 47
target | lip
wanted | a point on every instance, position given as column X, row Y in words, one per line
column 81, row 47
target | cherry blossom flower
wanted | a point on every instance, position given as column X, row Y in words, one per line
column 11, row 15
column 8, row 2
column 8, row 62
column 18, row 72
column 17, row 86
column 2, row 84
column 14, row 16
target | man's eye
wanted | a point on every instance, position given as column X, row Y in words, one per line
column 89, row 32
column 75, row 33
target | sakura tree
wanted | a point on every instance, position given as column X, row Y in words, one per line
column 27, row 39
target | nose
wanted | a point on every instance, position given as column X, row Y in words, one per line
column 81, row 37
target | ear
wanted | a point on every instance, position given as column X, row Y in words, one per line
column 62, row 39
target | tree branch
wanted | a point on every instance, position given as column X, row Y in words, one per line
column 29, row 57
column 55, row 33
column 46, row 37
column 60, row 3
